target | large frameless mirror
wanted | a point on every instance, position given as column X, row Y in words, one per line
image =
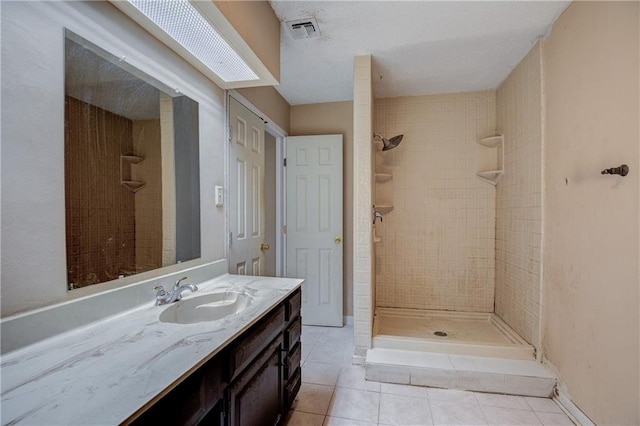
column 132, row 179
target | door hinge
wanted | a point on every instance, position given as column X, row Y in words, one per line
column 285, row 162
column 230, row 239
column 284, row 229
column 230, row 133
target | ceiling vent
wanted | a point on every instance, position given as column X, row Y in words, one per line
column 303, row 28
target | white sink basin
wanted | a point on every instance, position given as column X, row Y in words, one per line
column 207, row 307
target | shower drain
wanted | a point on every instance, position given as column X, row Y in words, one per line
column 440, row 333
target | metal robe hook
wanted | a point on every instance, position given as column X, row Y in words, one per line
column 623, row 170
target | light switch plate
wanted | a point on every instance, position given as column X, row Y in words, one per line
column 219, row 196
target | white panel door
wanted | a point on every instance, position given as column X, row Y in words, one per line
column 314, row 225
column 246, row 197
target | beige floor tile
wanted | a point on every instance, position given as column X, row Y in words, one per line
column 312, row 334
column 320, row 374
column 313, row 399
column 509, row 416
column 550, row 419
column 353, row 377
column 404, row 390
column 336, row 421
column 355, row 405
column 456, row 413
column 451, row 395
column 299, row 418
column 404, row 410
column 306, row 350
column 544, row 405
column 327, row 354
column 502, row 401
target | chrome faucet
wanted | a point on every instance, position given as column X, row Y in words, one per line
column 164, row 298
column 376, row 215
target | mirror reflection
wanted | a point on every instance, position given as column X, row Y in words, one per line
column 131, row 169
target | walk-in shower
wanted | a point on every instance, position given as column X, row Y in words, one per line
column 438, row 286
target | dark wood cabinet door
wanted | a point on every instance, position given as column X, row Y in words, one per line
column 255, row 397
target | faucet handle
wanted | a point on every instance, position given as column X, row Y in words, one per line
column 177, row 284
column 160, row 291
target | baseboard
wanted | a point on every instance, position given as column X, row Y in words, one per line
column 563, row 399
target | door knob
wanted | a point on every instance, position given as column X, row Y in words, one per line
column 264, row 247
column 337, row 240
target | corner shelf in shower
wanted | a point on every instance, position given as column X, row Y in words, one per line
column 383, row 177
column 384, row 208
column 126, row 162
column 490, row 163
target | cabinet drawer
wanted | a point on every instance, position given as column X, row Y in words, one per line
column 292, row 334
column 251, row 343
column 293, row 304
column 292, row 389
column 293, row 361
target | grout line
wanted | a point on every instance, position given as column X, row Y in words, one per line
column 433, row 421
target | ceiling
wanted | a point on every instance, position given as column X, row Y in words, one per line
column 418, row 47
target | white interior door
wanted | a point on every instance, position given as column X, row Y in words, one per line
column 314, row 225
column 246, row 197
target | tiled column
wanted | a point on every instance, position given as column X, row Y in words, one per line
column 363, row 277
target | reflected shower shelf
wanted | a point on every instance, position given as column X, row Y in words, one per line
column 132, row 158
column 133, row 185
column 383, row 177
column 127, row 161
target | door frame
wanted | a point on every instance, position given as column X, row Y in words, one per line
column 281, row 196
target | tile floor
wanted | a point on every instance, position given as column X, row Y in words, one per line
column 334, row 392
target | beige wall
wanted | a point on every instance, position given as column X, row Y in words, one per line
column 270, row 102
column 437, row 245
column 258, row 25
column 519, row 199
column 334, row 118
column 591, row 73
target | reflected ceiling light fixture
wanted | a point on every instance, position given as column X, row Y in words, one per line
column 190, row 29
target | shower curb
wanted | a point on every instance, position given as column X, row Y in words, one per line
column 482, row 374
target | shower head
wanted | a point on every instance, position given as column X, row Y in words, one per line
column 389, row 143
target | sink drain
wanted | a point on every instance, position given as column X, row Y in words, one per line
column 440, row 333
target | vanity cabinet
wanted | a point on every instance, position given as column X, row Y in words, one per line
column 255, row 397
column 252, row 381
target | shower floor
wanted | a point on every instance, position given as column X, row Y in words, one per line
column 477, row 334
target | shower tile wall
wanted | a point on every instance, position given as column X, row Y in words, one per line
column 148, row 202
column 99, row 248
column 437, row 248
column 518, row 199
column 363, row 275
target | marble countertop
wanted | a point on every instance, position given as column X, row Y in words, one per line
column 102, row 373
